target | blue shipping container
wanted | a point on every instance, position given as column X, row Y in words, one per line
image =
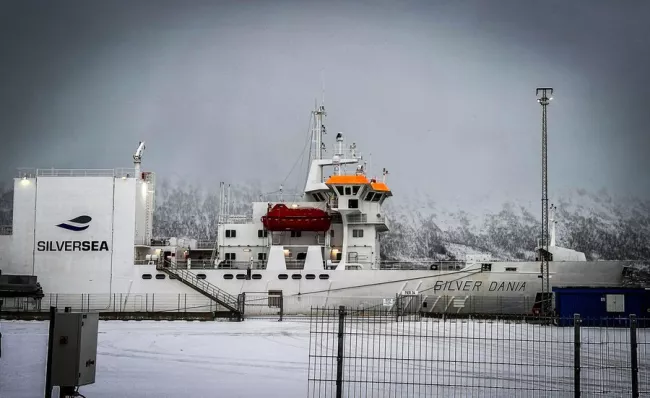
column 602, row 306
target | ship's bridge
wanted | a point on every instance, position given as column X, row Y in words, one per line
column 353, row 189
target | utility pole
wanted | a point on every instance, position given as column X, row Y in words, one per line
column 544, row 97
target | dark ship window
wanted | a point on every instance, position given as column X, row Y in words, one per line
column 486, row 267
column 257, row 276
column 200, row 276
column 323, row 276
column 241, row 276
column 310, row 276
column 146, row 276
column 296, row 276
column 511, row 269
column 283, row 276
column 160, row 276
column 227, row 276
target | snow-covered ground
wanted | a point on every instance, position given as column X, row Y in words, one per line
column 169, row 359
column 264, row 358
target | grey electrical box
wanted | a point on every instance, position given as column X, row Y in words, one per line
column 74, row 349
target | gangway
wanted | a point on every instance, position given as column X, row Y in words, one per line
column 187, row 277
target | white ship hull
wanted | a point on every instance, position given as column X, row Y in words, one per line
column 465, row 291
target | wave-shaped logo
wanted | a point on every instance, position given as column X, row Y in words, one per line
column 76, row 224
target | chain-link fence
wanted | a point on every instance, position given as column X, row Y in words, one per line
column 378, row 353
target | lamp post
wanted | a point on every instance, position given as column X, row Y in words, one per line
column 544, row 97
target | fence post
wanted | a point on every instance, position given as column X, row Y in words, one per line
column 576, row 355
column 339, row 355
column 281, row 306
column 398, row 306
column 634, row 360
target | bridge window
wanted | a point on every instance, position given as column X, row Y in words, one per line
column 301, row 256
column 200, row 276
column 296, row 276
column 353, row 203
column 241, row 276
column 227, row 276
column 357, row 233
column 296, row 234
column 160, row 276
column 323, row 276
column 146, row 276
column 348, row 191
column 355, row 189
column 231, row 233
column 377, row 197
column 231, row 256
column 369, row 196
column 340, row 189
column 257, row 276
column 283, row 276
column 310, row 276
column 261, row 256
column 262, row 233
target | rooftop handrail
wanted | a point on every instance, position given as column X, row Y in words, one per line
column 35, row 172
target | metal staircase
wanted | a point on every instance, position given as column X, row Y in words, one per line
column 230, row 302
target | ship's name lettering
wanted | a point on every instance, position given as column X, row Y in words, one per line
column 477, row 286
column 72, row 246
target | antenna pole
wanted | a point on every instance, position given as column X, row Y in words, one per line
column 544, row 97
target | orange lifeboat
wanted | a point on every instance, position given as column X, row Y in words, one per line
column 282, row 218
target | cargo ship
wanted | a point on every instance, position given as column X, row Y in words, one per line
column 87, row 236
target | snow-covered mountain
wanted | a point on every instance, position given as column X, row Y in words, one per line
column 602, row 226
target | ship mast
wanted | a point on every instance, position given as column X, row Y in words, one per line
column 318, row 130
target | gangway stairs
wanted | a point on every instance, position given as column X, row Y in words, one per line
column 226, row 300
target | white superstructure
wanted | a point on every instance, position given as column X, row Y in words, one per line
column 89, row 232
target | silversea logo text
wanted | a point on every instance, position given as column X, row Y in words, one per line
column 77, row 224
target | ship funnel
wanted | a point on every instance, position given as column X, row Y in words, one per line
column 137, row 158
column 339, row 144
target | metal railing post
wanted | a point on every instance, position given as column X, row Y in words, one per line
column 339, row 355
column 634, row 360
column 576, row 355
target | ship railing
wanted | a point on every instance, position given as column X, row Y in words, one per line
column 282, row 198
column 6, row 229
column 205, row 244
column 422, row 265
column 230, row 264
column 31, row 172
column 295, row 264
column 239, row 219
column 364, row 219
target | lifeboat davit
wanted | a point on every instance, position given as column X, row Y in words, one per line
column 282, row 218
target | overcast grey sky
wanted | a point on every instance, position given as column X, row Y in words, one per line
column 441, row 92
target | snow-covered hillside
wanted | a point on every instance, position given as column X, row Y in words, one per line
column 602, row 226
